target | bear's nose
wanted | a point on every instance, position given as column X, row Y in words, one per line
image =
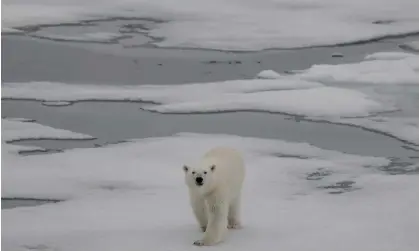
column 199, row 180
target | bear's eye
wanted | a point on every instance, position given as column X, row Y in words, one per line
column 205, row 172
column 193, row 172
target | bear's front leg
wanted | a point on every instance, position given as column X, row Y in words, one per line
column 199, row 209
column 217, row 223
column 234, row 214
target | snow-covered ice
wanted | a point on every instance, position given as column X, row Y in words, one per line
column 17, row 149
column 390, row 55
column 13, row 130
column 132, row 196
column 313, row 102
column 126, row 196
column 52, row 91
column 413, row 46
column 56, row 103
column 385, row 81
column 232, row 24
column 286, row 95
column 78, row 172
column 269, row 74
column 19, row 119
column 380, row 68
column 103, row 37
column 7, row 30
column 387, row 77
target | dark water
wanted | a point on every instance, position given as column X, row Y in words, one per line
column 28, row 59
column 113, row 121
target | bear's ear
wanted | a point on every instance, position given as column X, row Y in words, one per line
column 185, row 168
column 213, row 168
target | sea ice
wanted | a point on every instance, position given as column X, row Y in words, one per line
column 387, row 68
column 13, row 130
column 286, row 95
column 390, row 55
column 19, row 119
column 412, row 46
column 133, row 195
column 388, row 78
column 75, row 173
column 16, row 149
column 56, row 103
column 102, row 37
column 269, row 74
column 7, row 30
column 384, row 81
column 313, row 102
column 60, row 92
column 234, row 25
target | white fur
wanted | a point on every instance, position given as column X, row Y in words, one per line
column 216, row 204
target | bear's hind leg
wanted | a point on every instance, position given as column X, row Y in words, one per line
column 234, row 214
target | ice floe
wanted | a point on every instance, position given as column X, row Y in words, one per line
column 381, row 68
column 15, row 129
column 268, row 74
column 132, row 195
column 234, row 25
column 285, row 95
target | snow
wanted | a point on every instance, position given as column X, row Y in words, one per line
column 15, row 129
column 390, row 55
column 10, row 30
column 102, row 37
column 232, row 24
column 17, row 149
column 56, row 103
column 19, row 119
column 387, row 68
column 81, row 172
column 313, row 102
column 284, row 95
column 269, row 74
column 50, row 91
column 385, row 81
column 388, row 78
column 413, row 46
column 131, row 195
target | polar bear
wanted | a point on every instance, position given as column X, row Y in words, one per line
column 215, row 184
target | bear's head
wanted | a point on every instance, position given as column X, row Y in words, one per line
column 201, row 177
